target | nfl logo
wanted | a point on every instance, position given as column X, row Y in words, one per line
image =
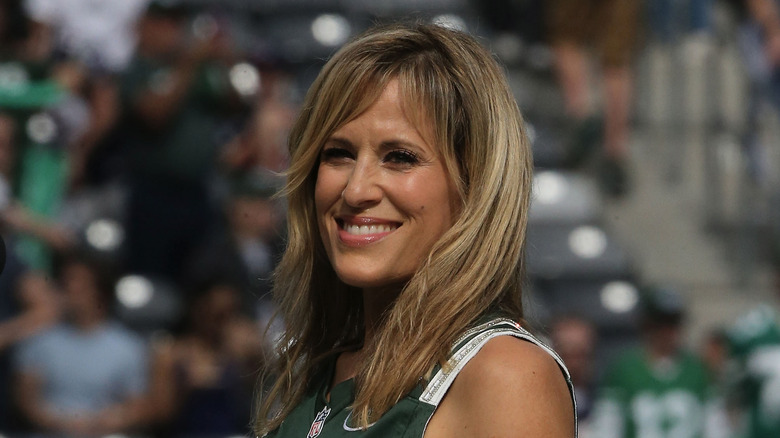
column 319, row 421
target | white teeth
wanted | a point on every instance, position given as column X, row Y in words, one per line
column 360, row 230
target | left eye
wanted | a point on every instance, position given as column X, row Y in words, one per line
column 401, row 157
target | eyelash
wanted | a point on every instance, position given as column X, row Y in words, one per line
column 396, row 156
column 401, row 156
column 334, row 153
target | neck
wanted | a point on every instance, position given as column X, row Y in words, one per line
column 661, row 351
column 242, row 233
column 87, row 320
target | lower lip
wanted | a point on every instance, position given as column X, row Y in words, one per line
column 360, row 239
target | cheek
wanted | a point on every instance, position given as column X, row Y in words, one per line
column 434, row 200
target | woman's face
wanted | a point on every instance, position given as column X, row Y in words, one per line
column 383, row 196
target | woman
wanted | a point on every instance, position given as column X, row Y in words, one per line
column 408, row 196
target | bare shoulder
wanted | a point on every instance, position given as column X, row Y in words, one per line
column 511, row 388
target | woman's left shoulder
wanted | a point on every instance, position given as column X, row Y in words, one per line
column 512, row 387
column 514, row 363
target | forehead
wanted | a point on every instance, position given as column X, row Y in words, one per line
column 394, row 100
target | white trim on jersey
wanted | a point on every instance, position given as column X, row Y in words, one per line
column 440, row 383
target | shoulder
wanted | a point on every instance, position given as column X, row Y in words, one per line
column 41, row 348
column 507, row 355
column 515, row 364
column 758, row 325
column 512, row 387
column 48, row 338
column 45, row 336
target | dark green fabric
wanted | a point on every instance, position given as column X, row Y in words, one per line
column 406, row 419
column 26, row 94
column 42, row 187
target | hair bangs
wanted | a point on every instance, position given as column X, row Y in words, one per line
column 429, row 101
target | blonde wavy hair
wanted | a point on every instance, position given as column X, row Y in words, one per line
column 453, row 84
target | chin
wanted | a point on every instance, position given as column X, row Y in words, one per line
column 370, row 280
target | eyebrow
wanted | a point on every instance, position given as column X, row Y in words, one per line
column 393, row 144
column 340, row 141
column 383, row 146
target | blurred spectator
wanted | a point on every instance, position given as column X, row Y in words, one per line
column 755, row 348
column 175, row 92
column 715, row 354
column 87, row 375
column 101, row 37
column 28, row 305
column 39, row 117
column 32, row 191
column 262, row 145
column 612, row 26
column 27, row 301
column 16, row 218
column 657, row 389
column 760, row 41
column 203, row 380
column 247, row 252
column 575, row 338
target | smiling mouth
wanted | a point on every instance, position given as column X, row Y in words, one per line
column 364, row 230
column 359, row 234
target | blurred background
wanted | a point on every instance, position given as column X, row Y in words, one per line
column 141, row 142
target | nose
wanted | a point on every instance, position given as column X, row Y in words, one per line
column 362, row 189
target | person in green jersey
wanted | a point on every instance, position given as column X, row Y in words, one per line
column 38, row 101
column 657, row 389
column 401, row 282
column 754, row 344
column 175, row 96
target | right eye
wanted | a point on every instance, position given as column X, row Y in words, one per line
column 335, row 154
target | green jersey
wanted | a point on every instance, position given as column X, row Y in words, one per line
column 28, row 94
column 640, row 399
column 755, row 348
column 317, row 417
